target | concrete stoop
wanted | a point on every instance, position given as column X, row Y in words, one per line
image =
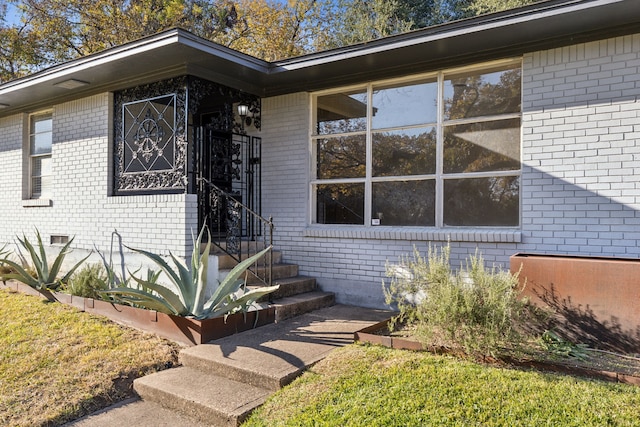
column 221, row 382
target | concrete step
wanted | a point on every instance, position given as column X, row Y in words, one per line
column 206, row 389
column 292, row 286
column 227, row 262
column 280, row 271
column 274, row 355
column 139, row 413
column 215, row 400
column 296, row 305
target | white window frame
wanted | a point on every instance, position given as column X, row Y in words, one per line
column 41, row 115
column 440, row 125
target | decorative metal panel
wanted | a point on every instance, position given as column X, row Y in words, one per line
column 152, row 133
column 148, row 134
column 150, row 137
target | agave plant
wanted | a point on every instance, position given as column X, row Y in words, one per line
column 191, row 284
column 44, row 277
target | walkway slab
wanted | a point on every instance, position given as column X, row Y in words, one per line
column 209, row 398
column 273, row 355
column 223, row 381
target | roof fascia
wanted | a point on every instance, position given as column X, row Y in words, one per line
column 166, row 38
column 467, row 26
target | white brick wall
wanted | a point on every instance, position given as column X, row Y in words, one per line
column 81, row 204
column 580, row 191
column 580, row 186
column 581, row 152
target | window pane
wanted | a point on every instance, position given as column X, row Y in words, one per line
column 40, row 186
column 482, row 94
column 406, row 105
column 482, row 201
column 488, row 146
column 404, row 203
column 341, row 112
column 36, row 186
column 340, row 204
column 40, row 143
column 41, row 166
column 341, row 157
column 404, row 152
column 40, row 138
column 40, row 124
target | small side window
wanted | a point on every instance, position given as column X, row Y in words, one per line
column 40, row 142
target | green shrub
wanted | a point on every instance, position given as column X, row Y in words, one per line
column 87, row 281
column 475, row 308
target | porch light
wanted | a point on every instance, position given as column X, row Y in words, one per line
column 243, row 112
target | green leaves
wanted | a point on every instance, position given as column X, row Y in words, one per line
column 37, row 273
column 187, row 296
column 475, row 308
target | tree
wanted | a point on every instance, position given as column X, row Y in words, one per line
column 54, row 31
column 253, row 30
column 19, row 49
column 478, row 7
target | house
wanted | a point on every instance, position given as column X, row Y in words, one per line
column 510, row 132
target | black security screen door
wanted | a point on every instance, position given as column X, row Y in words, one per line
column 231, row 162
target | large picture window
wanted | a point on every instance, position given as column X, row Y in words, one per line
column 40, row 143
column 437, row 151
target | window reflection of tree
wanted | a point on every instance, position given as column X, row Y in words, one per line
column 403, row 155
column 473, row 201
column 482, row 201
column 476, row 96
column 490, row 201
column 340, row 203
column 341, row 157
column 407, row 203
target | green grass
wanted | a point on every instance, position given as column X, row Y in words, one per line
column 57, row 363
column 374, row 386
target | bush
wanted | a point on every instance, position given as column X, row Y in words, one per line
column 87, row 281
column 475, row 308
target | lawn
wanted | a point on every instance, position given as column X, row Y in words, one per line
column 57, row 363
column 373, row 386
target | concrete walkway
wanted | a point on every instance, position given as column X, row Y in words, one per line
column 221, row 382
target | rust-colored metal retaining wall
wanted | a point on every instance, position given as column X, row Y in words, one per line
column 595, row 300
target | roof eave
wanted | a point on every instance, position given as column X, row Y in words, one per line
column 541, row 26
column 168, row 54
column 177, row 52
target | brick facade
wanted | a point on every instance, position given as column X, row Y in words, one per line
column 580, row 192
column 579, row 188
column 81, row 204
column 581, row 149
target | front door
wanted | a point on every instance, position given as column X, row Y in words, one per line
column 231, row 162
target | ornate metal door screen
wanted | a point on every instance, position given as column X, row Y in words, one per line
column 232, row 163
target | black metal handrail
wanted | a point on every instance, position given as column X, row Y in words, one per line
column 242, row 229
